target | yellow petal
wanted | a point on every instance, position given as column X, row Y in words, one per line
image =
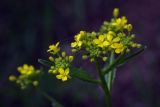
column 64, row 78
column 74, row 44
column 101, row 38
column 118, row 51
column 67, row 71
column 59, row 76
column 117, row 39
column 80, row 43
column 57, row 44
column 106, row 43
column 109, row 37
column 96, row 41
column 61, row 70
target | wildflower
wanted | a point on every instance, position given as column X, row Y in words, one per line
column 120, row 23
column 110, row 39
column 100, row 41
column 54, row 49
column 78, row 43
column 63, row 74
column 26, row 69
column 119, row 47
column 28, row 76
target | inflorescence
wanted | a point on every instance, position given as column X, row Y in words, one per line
column 113, row 36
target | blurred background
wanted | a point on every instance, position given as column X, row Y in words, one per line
column 27, row 27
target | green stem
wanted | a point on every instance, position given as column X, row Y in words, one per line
column 111, row 74
column 104, row 85
column 111, row 66
column 90, row 80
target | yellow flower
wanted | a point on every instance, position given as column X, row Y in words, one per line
column 110, row 39
column 76, row 44
column 63, row 74
column 119, row 47
column 100, row 41
column 26, row 69
column 53, row 49
column 120, row 23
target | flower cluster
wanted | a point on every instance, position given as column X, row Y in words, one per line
column 60, row 62
column 114, row 36
column 28, row 76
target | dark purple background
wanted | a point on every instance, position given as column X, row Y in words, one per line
column 27, row 27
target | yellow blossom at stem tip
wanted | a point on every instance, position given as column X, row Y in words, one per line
column 53, row 49
column 63, row 74
column 26, row 69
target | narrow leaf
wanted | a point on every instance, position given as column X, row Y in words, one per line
column 125, row 59
column 45, row 63
column 82, row 75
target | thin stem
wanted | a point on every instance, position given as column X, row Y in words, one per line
column 90, row 80
column 111, row 74
column 104, row 85
column 111, row 66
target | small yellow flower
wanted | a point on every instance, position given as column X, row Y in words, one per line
column 119, row 47
column 110, row 39
column 100, row 41
column 26, row 69
column 53, row 49
column 76, row 44
column 120, row 23
column 63, row 74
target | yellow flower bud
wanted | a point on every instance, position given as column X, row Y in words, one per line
column 51, row 58
column 63, row 54
column 104, row 59
column 127, row 50
column 138, row 45
column 74, row 50
column 35, row 83
column 129, row 27
column 71, row 58
column 92, row 59
column 12, row 78
column 84, row 57
column 116, row 12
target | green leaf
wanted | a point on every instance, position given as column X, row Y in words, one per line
column 125, row 59
column 120, row 60
column 83, row 75
column 45, row 63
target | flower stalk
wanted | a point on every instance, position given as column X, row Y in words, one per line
column 104, row 85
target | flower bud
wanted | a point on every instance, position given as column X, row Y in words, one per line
column 116, row 12
column 12, row 78
column 84, row 57
column 35, row 83
column 51, row 58
column 71, row 58
column 63, row 54
column 129, row 27
column 104, row 59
